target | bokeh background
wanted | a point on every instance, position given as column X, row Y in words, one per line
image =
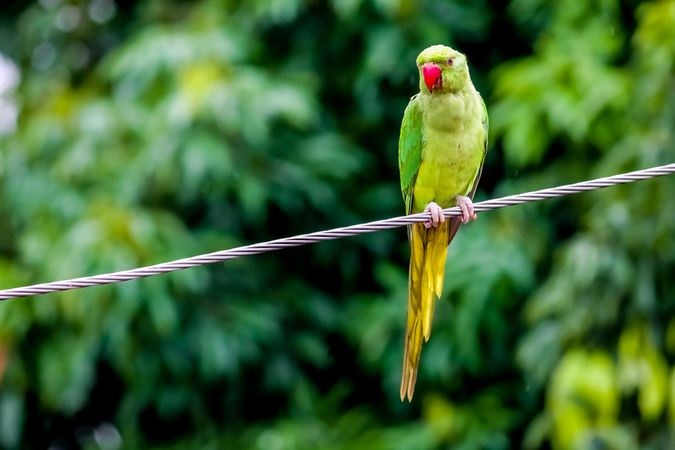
column 133, row 133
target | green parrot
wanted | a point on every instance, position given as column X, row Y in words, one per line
column 441, row 151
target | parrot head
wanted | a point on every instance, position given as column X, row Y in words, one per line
column 442, row 70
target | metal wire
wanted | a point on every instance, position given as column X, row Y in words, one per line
column 336, row 233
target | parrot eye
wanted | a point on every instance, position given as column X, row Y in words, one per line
column 450, row 61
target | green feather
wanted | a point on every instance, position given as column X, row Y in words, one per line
column 410, row 150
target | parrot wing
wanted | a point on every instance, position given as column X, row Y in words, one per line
column 410, row 151
column 486, row 127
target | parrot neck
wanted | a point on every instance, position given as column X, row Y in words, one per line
column 450, row 110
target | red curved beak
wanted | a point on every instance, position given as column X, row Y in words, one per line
column 432, row 75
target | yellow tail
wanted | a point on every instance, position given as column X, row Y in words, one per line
column 428, row 250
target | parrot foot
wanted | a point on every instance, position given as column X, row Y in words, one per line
column 466, row 205
column 437, row 216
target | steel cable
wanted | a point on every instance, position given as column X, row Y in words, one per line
column 327, row 235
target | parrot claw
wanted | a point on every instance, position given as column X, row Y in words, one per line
column 437, row 216
column 466, row 205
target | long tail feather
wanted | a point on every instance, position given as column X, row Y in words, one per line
column 428, row 284
column 428, row 250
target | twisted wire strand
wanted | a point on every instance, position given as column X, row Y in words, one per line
column 327, row 235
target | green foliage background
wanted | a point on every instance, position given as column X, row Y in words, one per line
column 154, row 130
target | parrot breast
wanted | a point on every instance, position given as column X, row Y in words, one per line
column 452, row 151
